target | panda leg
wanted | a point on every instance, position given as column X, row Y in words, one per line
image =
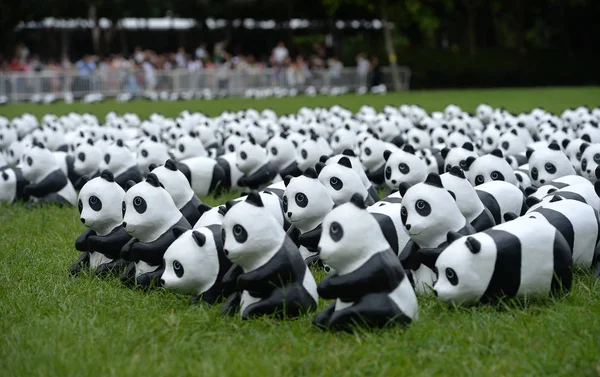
column 128, row 276
column 116, row 267
column 322, row 319
column 150, row 279
column 374, row 310
column 232, row 304
column 596, row 262
column 82, row 261
column 289, row 301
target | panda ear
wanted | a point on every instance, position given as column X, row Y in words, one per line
column 254, row 199
column 287, row 179
column 349, row 153
column 528, row 153
column 358, row 201
column 473, row 245
column 468, row 146
column 597, row 187
column 153, row 180
column 433, row 179
column 251, row 140
column 171, row 165
column 107, row 176
column 199, row 237
column 154, row 139
column 587, row 138
column 386, row 154
column 457, row 172
column 222, row 210
column 452, row 236
column 597, row 172
column 530, row 190
column 555, row 199
column 497, row 152
column 345, row 161
column 531, row 201
column 323, row 158
column 510, row 216
column 468, row 162
column 452, row 194
column 404, row 186
column 90, row 141
column 178, row 231
column 514, row 132
column 119, row 142
column 4, row 176
column 129, row 184
column 202, row 208
column 408, row 149
column 444, row 152
column 152, row 166
column 319, row 166
column 310, row 173
column 583, row 147
column 554, row 146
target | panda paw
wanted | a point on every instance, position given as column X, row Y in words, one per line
column 82, row 262
column 232, row 304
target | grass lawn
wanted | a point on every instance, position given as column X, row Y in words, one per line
column 55, row 325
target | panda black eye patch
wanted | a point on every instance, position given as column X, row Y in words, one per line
column 336, row 183
column 239, row 233
column 404, row 169
column 95, row 203
column 423, row 208
column 139, row 204
column 81, row 156
column 388, row 172
column 231, row 148
column 274, row 151
column 497, row 176
column 178, row 268
column 107, row 158
column 243, row 155
column 29, row 161
column 144, row 153
column 285, row 204
column 304, row 154
column 181, row 148
column 534, row 173
column 451, row 276
column 80, row 206
column 335, row 231
column 368, row 151
column 479, row 179
column 301, row 200
column 123, row 207
column 597, row 158
column 404, row 215
column 551, row 169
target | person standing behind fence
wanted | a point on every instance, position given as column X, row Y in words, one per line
column 375, row 72
column 363, row 66
column 149, row 77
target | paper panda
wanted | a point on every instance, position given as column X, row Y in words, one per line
column 590, row 159
column 271, row 202
column 510, row 143
column 87, row 159
column 231, row 173
column 305, row 204
column 204, row 174
column 369, row 285
column 210, row 216
column 100, row 210
column 309, row 152
column 489, row 167
column 523, row 178
column 391, row 225
column 12, row 184
column 548, row 164
column 195, row 264
column 253, row 161
column 47, row 182
column 373, row 160
column 271, row 277
column 577, row 222
column 523, row 257
column 120, row 161
column 418, row 137
column 580, row 189
column 177, row 185
column 343, row 139
column 282, row 154
column 188, row 146
column 341, row 181
column 151, row 152
column 428, row 213
column 500, row 198
column 403, row 166
column 434, row 161
column 572, row 150
column 357, row 167
column 150, row 214
column 490, row 138
column 394, row 197
column 458, row 156
column 467, row 199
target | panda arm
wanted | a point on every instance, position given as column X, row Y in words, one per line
column 409, row 256
column 126, row 250
column 152, row 252
column 54, row 182
column 310, row 239
column 111, row 244
column 381, row 273
column 263, row 280
column 81, row 243
column 231, row 276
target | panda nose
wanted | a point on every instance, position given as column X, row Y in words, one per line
column 124, row 224
column 161, row 282
column 82, row 220
column 435, row 293
column 289, row 214
column 589, row 171
column 226, row 252
column 407, row 226
column 393, row 181
column 542, row 181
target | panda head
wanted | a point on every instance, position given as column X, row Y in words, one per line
column 232, row 143
column 510, row 143
column 149, row 210
column 37, row 162
column 456, row 139
column 341, row 181
column 306, row 200
column 308, row 153
column 484, row 112
column 419, row 138
column 117, row 158
column 87, row 158
column 439, row 137
column 547, row 164
column 458, row 156
column 210, row 216
column 523, row 179
column 151, row 152
column 342, row 244
column 246, row 241
column 14, row 152
column 464, row 193
column 589, row 132
column 175, row 182
column 100, row 204
column 9, row 184
column 490, row 167
column 343, row 139
column 191, row 262
column 490, row 138
column 404, row 166
column 188, row 146
column 429, row 211
column 372, row 153
column 590, row 159
column 281, row 152
column 465, row 268
column 572, row 150
column 250, row 157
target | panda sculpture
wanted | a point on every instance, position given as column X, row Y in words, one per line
column 341, row 181
column 177, row 185
column 590, row 159
column 195, row 264
column 230, row 173
column 489, row 167
column 271, row 277
column 149, row 216
column 210, row 216
column 372, row 159
column 369, row 285
column 500, row 198
column 428, row 213
column 357, row 167
column 205, row 175
column 47, row 182
column 119, row 160
column 100, row 210
column 282, row 154
column 523, row 257
column 403, row 166
column 548, row 164
column 87, row 159
column 458, row 156
column 12, row 185
column 253, row 161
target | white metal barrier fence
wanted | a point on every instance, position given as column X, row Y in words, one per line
column 19, row 86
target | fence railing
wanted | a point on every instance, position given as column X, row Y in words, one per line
column 19, row 86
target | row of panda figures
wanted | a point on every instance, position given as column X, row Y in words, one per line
column 479, row 208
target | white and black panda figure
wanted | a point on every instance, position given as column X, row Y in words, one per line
column 12, row 184
column 520, row 258
column 523, row 178
column 390, row 224
column 572, row 150
column 578, row 223
column 357, row 167
column 500, row 198
column 434, row 161
column 583, row 191
column 205, row 175
column 120, row 161
column 150, row 214
column 282, row 154
column 177, row 185
column 590, row 159
column 548, row 164
column 372, row 159
column 47, row 182
column 369, row 286
column 428, row 213
column 271, row 203
column 253, row 161
column 277, row 188
column 403, row 166
column 100, row 210
column 151, row 152
column 458, row 156
column 305, row 204
column 467, row 199
column 87, row 158
column 489, row 167
column 271, row 277
column 394, row 197
column 341, row 181
column 195, row 264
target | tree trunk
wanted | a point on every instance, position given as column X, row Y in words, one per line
column 96, row 29
column 389, row 46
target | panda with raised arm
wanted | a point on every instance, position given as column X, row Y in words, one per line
column 369, row 285
column 271, row 276
column 100, row 210
column 149, row 216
